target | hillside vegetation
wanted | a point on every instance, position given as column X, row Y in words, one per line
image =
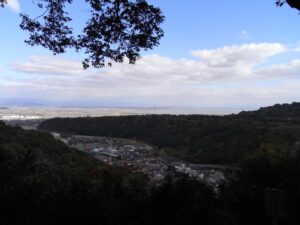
column 45, row 182
column 198, row 138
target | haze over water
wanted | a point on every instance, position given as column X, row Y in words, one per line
column 25, row 113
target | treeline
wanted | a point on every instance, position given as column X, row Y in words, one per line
column 197, row 138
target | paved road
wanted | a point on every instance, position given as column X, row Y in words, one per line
column 213, row 166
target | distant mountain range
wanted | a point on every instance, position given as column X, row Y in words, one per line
column 108, row 103
column 33, row 102
column 24, row 102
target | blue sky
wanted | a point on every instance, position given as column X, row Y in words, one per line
column 214, row 54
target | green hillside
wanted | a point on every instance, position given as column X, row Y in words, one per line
column 198, row 138
column 45, row 182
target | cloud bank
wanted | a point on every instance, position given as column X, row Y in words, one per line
column 237, row 75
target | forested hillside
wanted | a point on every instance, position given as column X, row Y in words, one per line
column 198, row 138
column 45, row 182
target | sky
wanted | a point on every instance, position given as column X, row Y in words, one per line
column 214, row 54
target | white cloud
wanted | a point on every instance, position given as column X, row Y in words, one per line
column 232, row 75
column 239, row 54
column 223, row 64
column 284, row 70
column 49, row 65
column 14, row 5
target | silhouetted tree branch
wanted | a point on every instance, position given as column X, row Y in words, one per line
column 115, row 30
column 3, row 2
column 292, row 3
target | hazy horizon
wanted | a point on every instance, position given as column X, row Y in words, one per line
column 32, row 109
column 34, row 102
column 47, row 112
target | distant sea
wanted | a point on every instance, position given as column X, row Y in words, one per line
column 30, row 113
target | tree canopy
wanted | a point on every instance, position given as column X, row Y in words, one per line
column 115, row 30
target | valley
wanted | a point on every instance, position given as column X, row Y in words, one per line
column 138, row 156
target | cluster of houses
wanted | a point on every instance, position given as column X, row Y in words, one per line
column 138, row 157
